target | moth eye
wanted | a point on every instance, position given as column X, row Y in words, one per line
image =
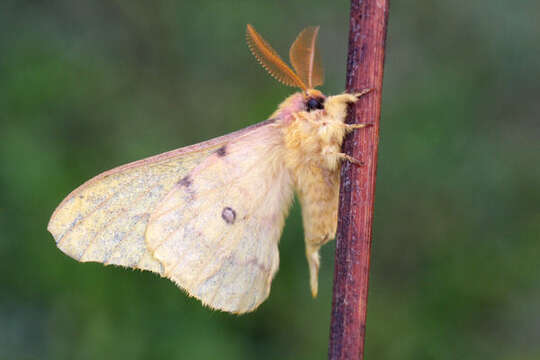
column 315, row 104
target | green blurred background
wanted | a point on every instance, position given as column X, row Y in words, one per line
column 86, row 86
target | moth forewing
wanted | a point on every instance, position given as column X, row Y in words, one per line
column 217, row 236
column 104, row 219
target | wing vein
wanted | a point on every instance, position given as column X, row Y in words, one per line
column 122, row 212
column 100, row 205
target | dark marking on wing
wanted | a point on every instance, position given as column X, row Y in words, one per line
column 222, row 151
column 185, row 181
column 229, row 215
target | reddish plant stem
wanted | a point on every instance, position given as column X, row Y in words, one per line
column 367, row 36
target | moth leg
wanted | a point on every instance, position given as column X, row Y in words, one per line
column 351, row 127
column 334, row 158
column 363, row 92
column 345, row 157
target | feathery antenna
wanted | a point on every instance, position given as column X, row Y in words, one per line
column 305, row 57
column 270, row 60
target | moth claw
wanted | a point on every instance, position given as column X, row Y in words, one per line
column 363, row 92
column 358, row 126
column 351, row 159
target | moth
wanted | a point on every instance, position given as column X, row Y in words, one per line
column 209, row 216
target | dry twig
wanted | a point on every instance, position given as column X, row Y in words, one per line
column 367, row 35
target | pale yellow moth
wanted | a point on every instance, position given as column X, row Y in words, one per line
column 209, row 216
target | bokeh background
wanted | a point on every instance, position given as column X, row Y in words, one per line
column 86, row 86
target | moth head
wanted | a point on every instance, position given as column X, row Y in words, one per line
column 307, row 74
column 311, row 101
